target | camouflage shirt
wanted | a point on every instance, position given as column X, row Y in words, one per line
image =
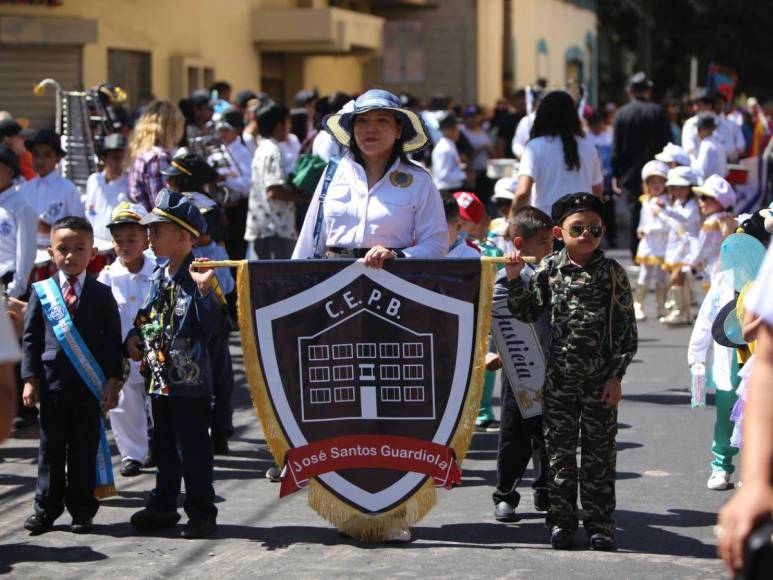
column 590, row 310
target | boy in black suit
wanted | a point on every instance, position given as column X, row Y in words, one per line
column 69, row 410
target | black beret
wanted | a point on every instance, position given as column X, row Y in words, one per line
column 576, row 203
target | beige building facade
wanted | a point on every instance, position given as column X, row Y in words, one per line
column 472, row 50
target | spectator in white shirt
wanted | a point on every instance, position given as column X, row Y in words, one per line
column 237, row 179
column 50, row 195
column 106, row 189
column 447, row 168
column 558, row 159
column 711, row 158
column 271, row 208
column 18, row 224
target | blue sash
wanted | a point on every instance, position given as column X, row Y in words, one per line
column 55, row 311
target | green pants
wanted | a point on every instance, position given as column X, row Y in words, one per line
column 723, row 427
column 486, row 412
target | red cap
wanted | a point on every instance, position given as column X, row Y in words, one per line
column 470, row 207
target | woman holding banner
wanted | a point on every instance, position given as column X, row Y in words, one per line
column 374, row 203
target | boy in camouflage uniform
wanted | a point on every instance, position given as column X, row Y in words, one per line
column 592, row 341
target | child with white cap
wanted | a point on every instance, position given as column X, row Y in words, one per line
column 673, row 156
column 716, row 197
column 653, row 236
column 683, row 218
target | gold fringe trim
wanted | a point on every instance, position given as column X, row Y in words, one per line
column 272, row 431
column 105, row 491
column 673, row 266
column 359, row 525
column 371, row 528
column 648, row 261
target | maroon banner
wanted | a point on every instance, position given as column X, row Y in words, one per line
column 406, row 454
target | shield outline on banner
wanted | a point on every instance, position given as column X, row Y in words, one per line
column 409, row 483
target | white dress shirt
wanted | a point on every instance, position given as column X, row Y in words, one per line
column 18, row 231
column 690, row 141
column 63, row 283
column 102, row 197
column 238, row 183
column 325, row 147
column 711, row 159
column 52, row 197
column 521, row 137
column 403, row 210
column 447, row 168
column 730, row 136
column 129, row 291
column 9, row 345
column 291, row 150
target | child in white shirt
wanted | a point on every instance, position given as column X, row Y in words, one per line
column 711, row 158
column 653, row 236
column 106, row 189
column 447, row 168
column 129, row 278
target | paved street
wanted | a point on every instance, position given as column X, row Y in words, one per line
column 665, row 513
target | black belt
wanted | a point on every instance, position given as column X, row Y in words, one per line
column 335, row 252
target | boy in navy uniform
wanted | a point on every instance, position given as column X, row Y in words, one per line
column 183, row 309
column 69, row 409
column 221, row 421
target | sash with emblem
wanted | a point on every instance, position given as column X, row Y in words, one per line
column 72, row 343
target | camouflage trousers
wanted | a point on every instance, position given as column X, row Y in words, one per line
column 574, row 409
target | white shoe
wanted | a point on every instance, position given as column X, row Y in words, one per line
column 638, row 312
column 719, row 480
column 397, row 535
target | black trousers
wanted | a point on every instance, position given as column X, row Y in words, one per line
column 67, row 459
column 183, row 451
column 222, row 384
column 236, row 221
column 633, row 241
column 519, row 440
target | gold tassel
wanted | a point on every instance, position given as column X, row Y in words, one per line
column 371, row 528
column 466, row 428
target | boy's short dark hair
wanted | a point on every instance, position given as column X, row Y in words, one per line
column 448, row 121
column 73, row 222
column 126, row 225
column 270, row 116
column 527, row 221
column 450, row 207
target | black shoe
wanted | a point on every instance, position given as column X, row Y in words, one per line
column 220, row 444
column 150, row 461
column 81, row 526
column 505, row 512
column 561, row 538
column 483, row 426
column 492, row 427
column 38, row 524
column 149, row 519
column 20, row 423
column 541, row 500
column 130, row 468
column 602, row 542
column 194, row 530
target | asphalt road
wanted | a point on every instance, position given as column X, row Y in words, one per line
column 665, row 513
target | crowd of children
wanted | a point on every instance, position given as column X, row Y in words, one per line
column 150, row 300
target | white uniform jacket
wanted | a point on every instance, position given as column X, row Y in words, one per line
column 403, row 210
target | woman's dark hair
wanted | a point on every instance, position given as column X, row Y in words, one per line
column 397, row 150
column 557, row 117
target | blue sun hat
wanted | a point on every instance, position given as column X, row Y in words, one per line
column 340, row 125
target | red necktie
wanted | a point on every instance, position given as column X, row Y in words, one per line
column 70, row 297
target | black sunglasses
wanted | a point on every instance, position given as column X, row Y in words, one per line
column 576, row 230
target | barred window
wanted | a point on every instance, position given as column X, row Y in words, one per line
column 413, row 350
column 389, row 372
column 319, row 374
column 413, row 372
column 344, row 394
column 389, row 350
column 366, row 350
column 343, row 351
column 343, row 373
column 390, row 394
column 413, row 394
column 318, row 352
column 319, row 396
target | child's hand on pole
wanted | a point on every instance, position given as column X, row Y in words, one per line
column 514, row 264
